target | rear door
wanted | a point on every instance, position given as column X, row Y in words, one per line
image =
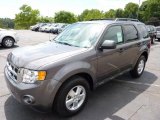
column 133, row 43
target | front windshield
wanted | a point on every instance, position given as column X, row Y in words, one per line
column 80, row 34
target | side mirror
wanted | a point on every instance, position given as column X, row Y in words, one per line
column 108, row 44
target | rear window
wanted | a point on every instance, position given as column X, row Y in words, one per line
column 143, row 30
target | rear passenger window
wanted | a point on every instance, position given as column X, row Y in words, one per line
column 131, row 33
column 143, row 30
column 114, row 33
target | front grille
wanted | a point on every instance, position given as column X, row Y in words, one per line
column 12, row 71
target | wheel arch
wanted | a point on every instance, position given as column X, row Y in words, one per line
column 145, row 54
column 8, row 37
column 85, row 75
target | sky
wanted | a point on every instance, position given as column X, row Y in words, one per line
column 8, row 8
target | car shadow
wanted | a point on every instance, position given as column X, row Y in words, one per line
column 156, row 43
column 3, row 48
column 103, row 103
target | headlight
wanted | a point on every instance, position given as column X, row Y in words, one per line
column 30, row 76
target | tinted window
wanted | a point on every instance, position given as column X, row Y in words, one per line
column 114, row 33
column 130, row 32
column 152, row 28
column 143, row 31
column 158, row 29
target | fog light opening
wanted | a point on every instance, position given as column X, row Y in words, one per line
column 28, row 99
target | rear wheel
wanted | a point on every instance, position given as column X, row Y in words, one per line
column 8, row 42
column 139, row 67
column 72, row 96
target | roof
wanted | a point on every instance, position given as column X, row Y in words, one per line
column 99, row 21
column 109, row 21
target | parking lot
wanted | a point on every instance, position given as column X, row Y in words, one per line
column 123, row 98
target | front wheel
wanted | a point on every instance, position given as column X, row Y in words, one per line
column 139, row 67
column 72, row 96
column 8, row 42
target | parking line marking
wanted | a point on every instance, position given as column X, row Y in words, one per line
column 137, row 83
column 5, row 95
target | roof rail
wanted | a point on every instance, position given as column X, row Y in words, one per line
column 118, row 19
column 102, row 19
column 126, row 19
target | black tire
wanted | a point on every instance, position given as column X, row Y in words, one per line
column 153, row 40
column 158, row 39
column 134, row 72
column 57, row 32
column 8, row 42
column 60, row 106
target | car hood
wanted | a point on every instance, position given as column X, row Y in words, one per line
column 7, row 32
column 33, row 57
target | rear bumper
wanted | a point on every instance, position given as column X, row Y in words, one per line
column 41, row 94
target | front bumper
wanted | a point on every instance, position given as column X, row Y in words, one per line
column 42, row 93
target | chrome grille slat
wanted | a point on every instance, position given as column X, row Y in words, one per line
column 12, row 71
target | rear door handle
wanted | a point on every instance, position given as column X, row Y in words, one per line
column 138, row 44
column 121, row 50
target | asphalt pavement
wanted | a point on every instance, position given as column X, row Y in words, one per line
column 123, row 98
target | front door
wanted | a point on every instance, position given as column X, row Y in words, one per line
column 110, row 61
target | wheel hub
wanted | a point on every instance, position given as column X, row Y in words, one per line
column 141, row 66
column 75, row 98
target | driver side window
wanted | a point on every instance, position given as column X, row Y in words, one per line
column 114, row 33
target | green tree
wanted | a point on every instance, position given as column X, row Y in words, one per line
column 64, row 17
column 45, row 19
column 83, row 15
column 1, row 25
column 90, row 14
column 131, row 10
column 119, row 13
column 142, row 9
column 110, row 14
column 6, row 23
column 26, row 17
column 152, row 9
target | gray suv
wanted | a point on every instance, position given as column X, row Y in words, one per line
column 60, row 73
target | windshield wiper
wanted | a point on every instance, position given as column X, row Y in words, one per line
column 64, row 43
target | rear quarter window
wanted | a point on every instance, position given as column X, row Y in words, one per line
column 143, row 30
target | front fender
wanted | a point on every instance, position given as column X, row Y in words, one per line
column 6, row 35
column 66, row 72
column 75, row 68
